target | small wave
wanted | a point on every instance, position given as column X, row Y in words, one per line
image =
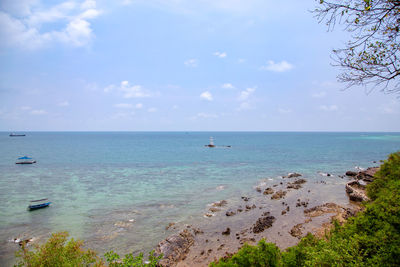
column 359, row 168
column 220, row 187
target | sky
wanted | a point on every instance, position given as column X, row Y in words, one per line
column 178, row 65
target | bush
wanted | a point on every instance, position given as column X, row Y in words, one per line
column 58, row 252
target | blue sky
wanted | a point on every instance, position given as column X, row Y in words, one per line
column 177, row 65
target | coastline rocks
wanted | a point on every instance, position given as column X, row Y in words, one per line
column 263, row 223
column 230, row 213
column 293, row 175
column 296, row 184
column 227, row 231
column 296, row 230
column 356, row 191
column 279, row 194
column 174, row 248
column 351, row 173
column 367, row 175
column 221, row 203
column 268, row 191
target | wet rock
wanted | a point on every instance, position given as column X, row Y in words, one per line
column 208, row 215
column 299, row 181
column 283, row 212
column 278, row 195
column 245, row 198
column 213, row 209
column 351, row 173
column 227, row 231
column 239, row 209
column 169, row 225
column 220, row 203
column 356, row 191
column 293, row 175
column 263, row 223
column 174, row 248
column 258, row 189
column 296, row 230
column 268, row 191
column 293, row 186
column 367, row 175
column 230, row 213
column 197, row 231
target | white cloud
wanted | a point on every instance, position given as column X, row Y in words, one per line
column 26, row 108
column 152, row 109
column 244, row 95
column 123, row 105
column 25, row 29
column 284, row 110
column 277, row 67
column 319, row 95
column 139, row 106
column 220, row 54
column 38, row 112
column 206, row 96
column 328, row 108
column 63, row 104
column 128, row 91
column 191, row 63
column 228, row 86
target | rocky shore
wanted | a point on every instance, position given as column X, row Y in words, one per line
column 282, row 213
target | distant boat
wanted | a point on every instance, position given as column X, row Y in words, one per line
column 39, row 204
column 211, row 144
column 14, row 135
column 25, row 160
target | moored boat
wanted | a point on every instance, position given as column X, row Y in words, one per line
column 39, row 204
column 14, row 135
column 25, row 160
column 211, row 144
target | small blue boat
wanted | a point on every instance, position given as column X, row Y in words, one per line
column 25, row 160
column 39, row 204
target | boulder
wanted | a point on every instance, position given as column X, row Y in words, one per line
column 351, row 173
column 227, row 231
column 293, row 175
column 175, row 248
column 263, row 223
column 356, row 191
column 367, row 175
column 278, row 195
column 268, row 191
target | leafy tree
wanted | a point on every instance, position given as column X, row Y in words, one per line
column 58, row 252
column 372, row 56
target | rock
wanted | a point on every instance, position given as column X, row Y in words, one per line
column 239, row 209
column 230, row 213
column 169, row 225
column 283, row 212
column 258, row 189
column 245, row 198
column 213, row 209
column 268, row 191
column 197, row 231
column 278, row 195
column 356, row 191
column 220, row 203
column 227, row 231
column 300, row 181
column 351, row 173
column 296, row 230
column 293, row 175
column 263, row 223
column 174, row 248
column 368, row 174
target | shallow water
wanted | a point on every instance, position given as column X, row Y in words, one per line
column 118, row 190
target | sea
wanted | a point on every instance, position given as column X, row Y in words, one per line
column 119, row 190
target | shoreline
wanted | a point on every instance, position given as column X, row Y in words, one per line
column 231, row 225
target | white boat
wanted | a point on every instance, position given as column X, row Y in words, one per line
column 211, row 144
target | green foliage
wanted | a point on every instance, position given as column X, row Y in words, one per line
column 114, row 260
column 58, row 252
column 372, row 238
column 264, row 254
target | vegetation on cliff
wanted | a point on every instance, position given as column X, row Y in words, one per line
column 372, row 238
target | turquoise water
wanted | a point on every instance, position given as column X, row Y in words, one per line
column 118, row 190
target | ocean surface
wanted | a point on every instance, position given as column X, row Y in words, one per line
column 119, row 190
